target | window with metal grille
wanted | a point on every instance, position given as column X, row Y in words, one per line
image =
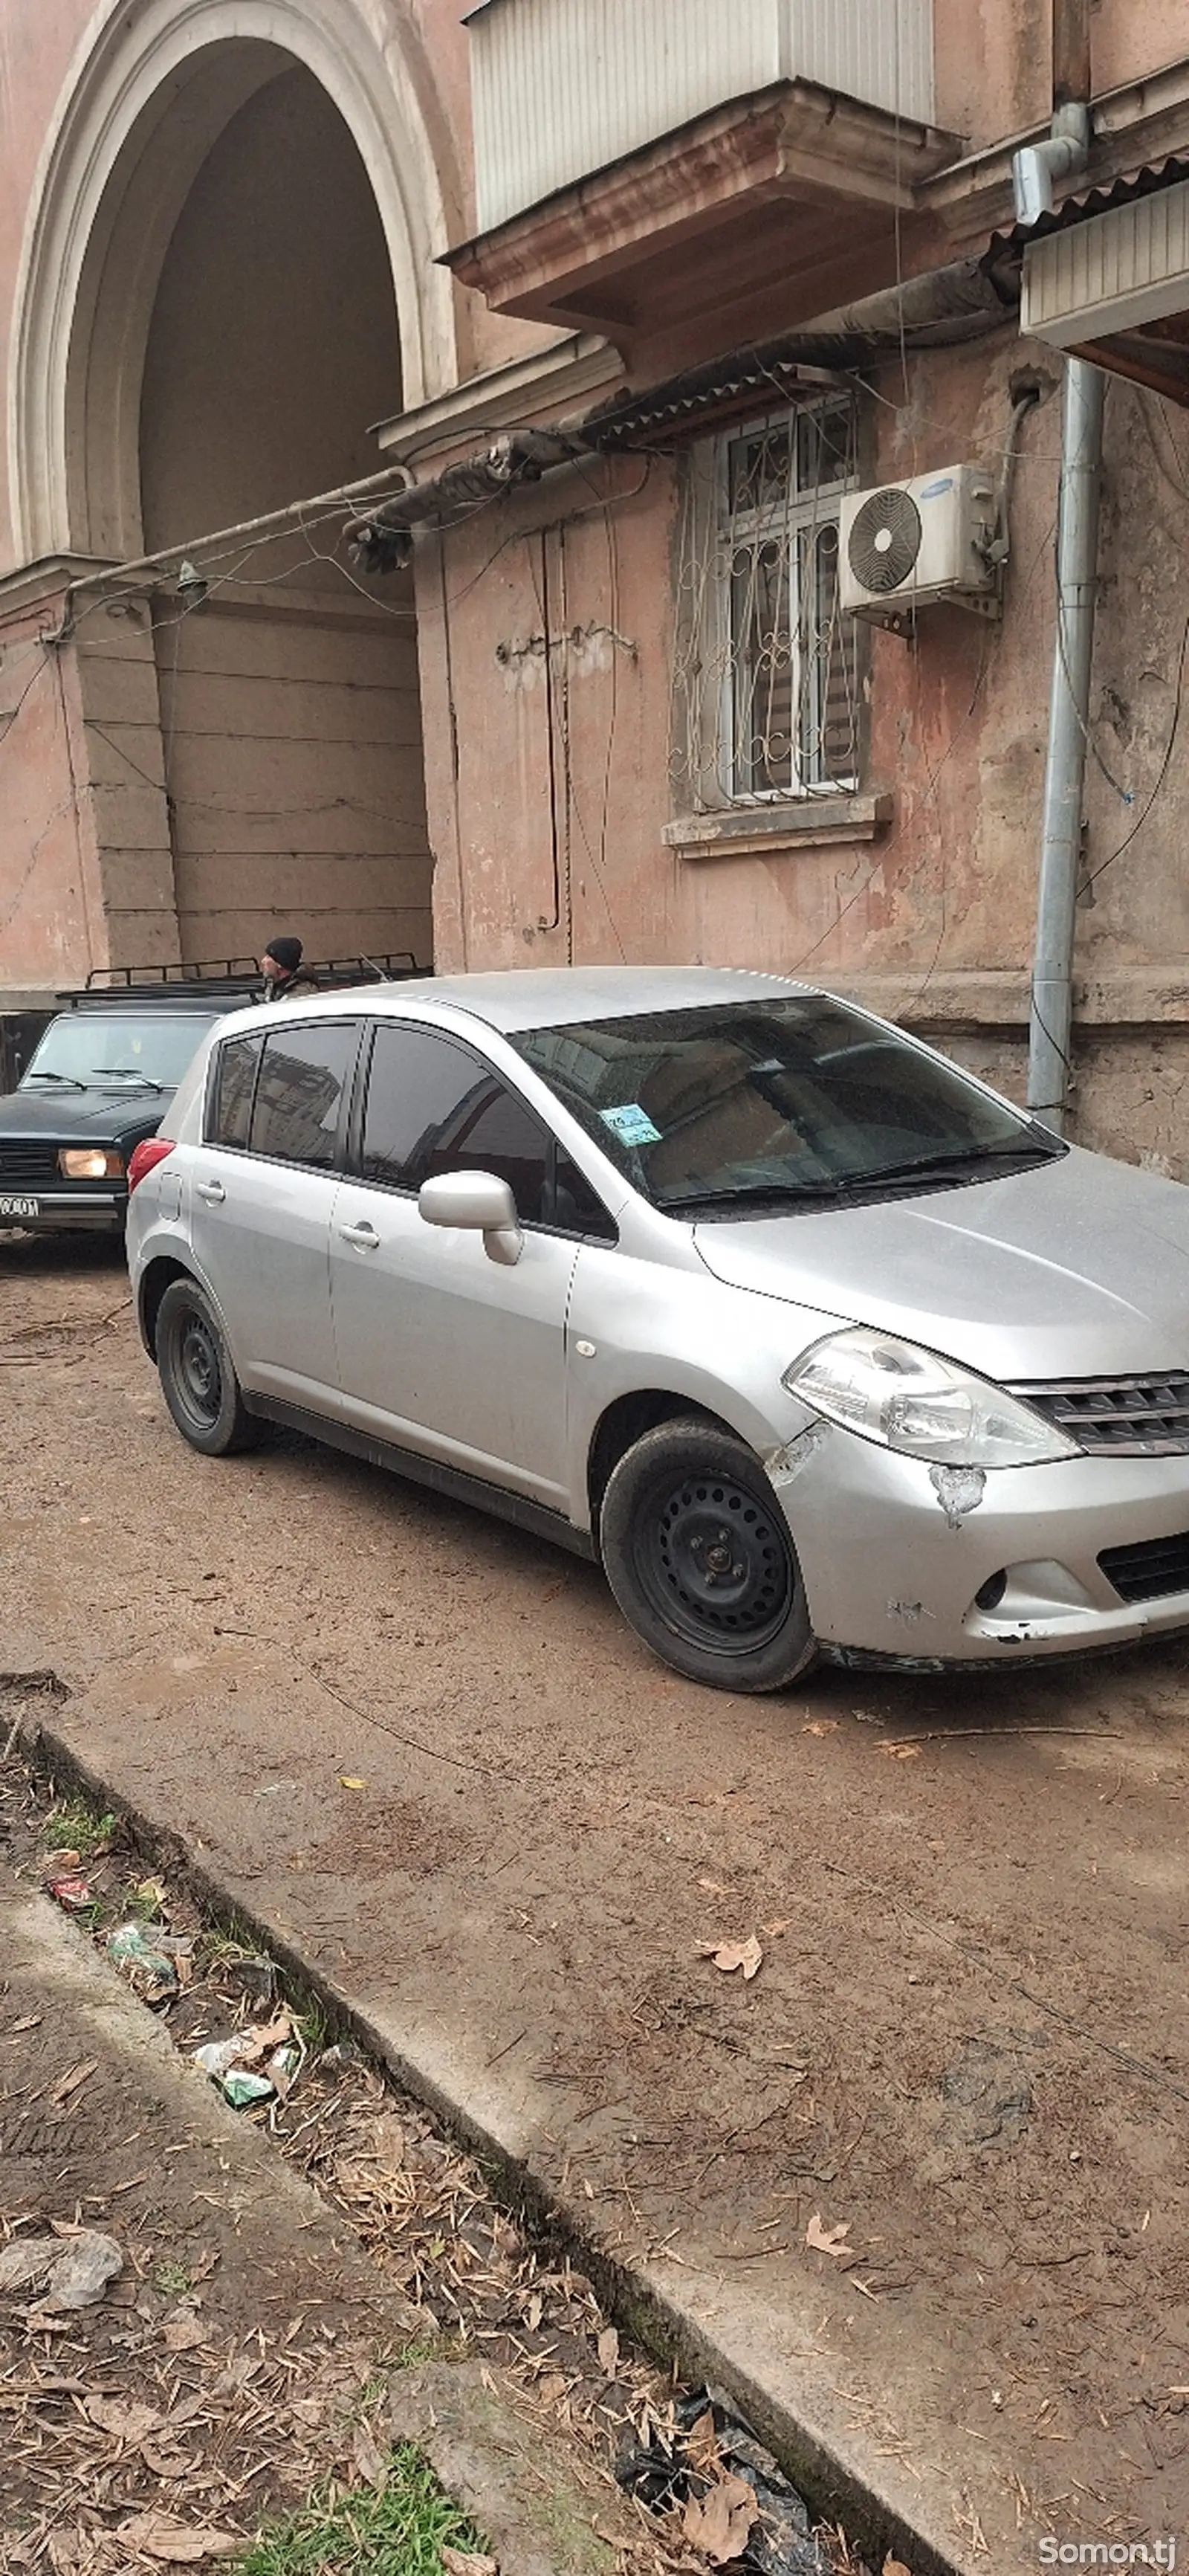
column 766, row 671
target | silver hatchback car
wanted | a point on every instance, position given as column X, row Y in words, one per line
column 817, row 1344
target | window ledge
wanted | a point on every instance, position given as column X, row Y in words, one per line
column 767, row 831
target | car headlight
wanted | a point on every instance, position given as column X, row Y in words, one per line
column 910, row 1400
column 90, row 1163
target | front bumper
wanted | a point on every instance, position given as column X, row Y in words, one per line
column 894, row 1555
column 71, row 1211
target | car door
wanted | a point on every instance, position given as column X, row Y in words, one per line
column 441, row 1349
column 262, row 1188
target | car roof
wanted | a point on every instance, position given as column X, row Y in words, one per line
column 85, row 1005
column 549, row 996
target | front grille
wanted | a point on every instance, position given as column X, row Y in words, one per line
column 27, row 1167
column 1122, row 1417
column 1150, row 1571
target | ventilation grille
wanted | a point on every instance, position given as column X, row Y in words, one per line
column 1129, row 1417
column 1151, row 1571
column 27, row 1167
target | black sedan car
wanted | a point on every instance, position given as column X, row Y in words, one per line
column 99, row 1080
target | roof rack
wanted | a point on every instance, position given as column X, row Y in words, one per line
column 209, row 978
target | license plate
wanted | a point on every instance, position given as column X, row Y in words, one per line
column 15, row 1209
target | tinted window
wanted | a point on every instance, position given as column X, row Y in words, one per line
column 433, row 1107
column 754, row 1101
column 295, row 1118
column 233, row 1081
column 577, row 1208
column 414, row 1084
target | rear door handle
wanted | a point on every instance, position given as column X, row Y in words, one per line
column 363, row 1236
column 212, row 1191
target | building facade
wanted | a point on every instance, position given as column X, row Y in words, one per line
column 427, row 516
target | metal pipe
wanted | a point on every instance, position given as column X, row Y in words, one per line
column 197, row 550
column 1071, row 52
column 1051, row 1011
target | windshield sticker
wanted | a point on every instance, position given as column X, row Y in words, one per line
column 631, row 1124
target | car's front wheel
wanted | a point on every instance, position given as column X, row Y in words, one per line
column 198, row 1380
column 699, row 1558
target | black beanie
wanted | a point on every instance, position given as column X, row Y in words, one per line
column 287, row 953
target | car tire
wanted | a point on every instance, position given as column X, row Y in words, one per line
column 198, row 1380
column 699, row 1557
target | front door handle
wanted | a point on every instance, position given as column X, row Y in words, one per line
column 212, row 1191
column 363, row 1236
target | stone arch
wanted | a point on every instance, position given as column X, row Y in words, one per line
column 115, row 171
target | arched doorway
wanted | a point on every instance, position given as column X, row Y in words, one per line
column 228, row 277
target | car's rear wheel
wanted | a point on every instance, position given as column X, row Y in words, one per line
column 198, row 1380
column 699, row 1558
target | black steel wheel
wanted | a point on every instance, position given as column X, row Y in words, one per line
column 198, row 1380
column 699, row 1557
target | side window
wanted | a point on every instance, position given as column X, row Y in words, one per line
column 433, row 1107
column 295, row 1115
column 414, row 1084
column 493, row 1131
column 233, row 1081
column 577, row 1208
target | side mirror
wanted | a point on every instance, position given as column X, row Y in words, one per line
column 480, row 1203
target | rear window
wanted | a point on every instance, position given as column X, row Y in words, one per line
column 233, row 1084
column 298, row 1099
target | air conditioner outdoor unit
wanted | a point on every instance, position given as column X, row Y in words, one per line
column 908, row 544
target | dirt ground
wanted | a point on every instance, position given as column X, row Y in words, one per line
column 426, row 1749
column 222, row 2371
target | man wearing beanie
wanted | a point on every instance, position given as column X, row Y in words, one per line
column 281, row 969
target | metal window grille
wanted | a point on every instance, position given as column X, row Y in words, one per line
column 766, row 673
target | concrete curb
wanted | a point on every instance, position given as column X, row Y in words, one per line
column 843, row 2480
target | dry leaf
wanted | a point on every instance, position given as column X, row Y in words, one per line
column 829, row 2240
column 58, row 1864
column 608, row 2351
column 178, row 2544
column 821, row 1726
column 729, row 1955
column 701, row 2447
column 534, row 2312
column 347, row 1780
column 125, row 2423
column 718, row 2523
column 370, row 2460
column 902, row 1752
column 894, row 2567
column 29, row 2021
column 467, row 2562
column 182, row 2333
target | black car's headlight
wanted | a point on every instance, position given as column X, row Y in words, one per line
column 910, row 1400
column 90, row 1163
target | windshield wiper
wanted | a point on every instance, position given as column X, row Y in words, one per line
column 752, row 1194
column 43, row 1074
column 963, row 1158
column 128, row 1073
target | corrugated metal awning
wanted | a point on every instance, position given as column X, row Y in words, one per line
column 1120, row 269
column 1095, row 199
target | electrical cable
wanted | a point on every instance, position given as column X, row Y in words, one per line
column 1161, row 775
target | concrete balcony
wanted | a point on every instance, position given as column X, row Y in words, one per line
column 561, row 88
column 643, row 162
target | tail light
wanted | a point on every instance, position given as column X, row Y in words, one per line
column 146, row 1156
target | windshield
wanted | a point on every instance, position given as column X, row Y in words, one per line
column 756, row 1102
column 117, row 1051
